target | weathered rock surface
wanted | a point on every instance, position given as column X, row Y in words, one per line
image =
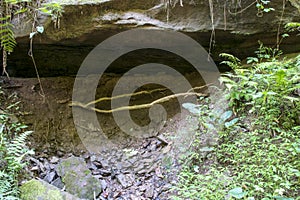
column 78, row 179
column 41, row 190
column 87, row 23
column 84, row 17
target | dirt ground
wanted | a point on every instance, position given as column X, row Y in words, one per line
column 51, row 117
column 150, row 170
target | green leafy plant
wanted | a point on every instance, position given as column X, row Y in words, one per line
column 13, row 151
column 258, row 141
column 195, row 185
column 292, row 26
column 11, row 9
column 264, row 54
column 265, row 94
column 7, row 36
column 205, row 181
column 53, row 9
column 262, row 6
column 268, row 89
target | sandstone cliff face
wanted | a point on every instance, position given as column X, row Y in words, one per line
column 86, row 23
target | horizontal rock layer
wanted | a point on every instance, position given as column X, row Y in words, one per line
column 85, row 24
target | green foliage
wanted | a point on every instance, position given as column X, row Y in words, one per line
column 53, row 9
column 12, row 152
column 264, row 54
column 198, row 186
column 262, row 5
column 264, row 157
column 22, row 9
column 256, row 155
column 232, row 61
column 268, row 90
column 9, row 9
column 7, row 37
column 17, row 7
column 292, row 26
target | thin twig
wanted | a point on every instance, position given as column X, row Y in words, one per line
column 225, row 17
column 278, row 40
column 213, row 33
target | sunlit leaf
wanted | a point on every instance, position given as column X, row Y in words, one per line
column 40, row 29
column 207, row 149
column 209, row 126
column 283, row 198
column 237, row 193
column 297, row 147
column 226, row 115
column 231, row 123
column 257, row 95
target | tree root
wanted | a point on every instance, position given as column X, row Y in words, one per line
column 137, row 107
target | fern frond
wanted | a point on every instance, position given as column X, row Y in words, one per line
column 232, row 61
column 230, row 57
column 16, row 150
column 7, row 37
column 6, row 185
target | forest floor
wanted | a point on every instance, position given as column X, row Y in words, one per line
column 133, row 168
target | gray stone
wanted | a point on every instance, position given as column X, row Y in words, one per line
column 93, row 158
column 41, row 190
column 149, row 192
column 58, row 183
column 49, row 177
column 54, row 160
column 191, row 17
column 103, row 184
column 124, row 180
column 78, row 179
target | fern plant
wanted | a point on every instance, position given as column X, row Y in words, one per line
column 7, row 36
column 13, row 149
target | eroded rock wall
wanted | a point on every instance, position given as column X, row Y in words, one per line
column 85, row 24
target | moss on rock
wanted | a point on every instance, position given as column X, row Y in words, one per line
column 35, row 189
column 41, row 190
column 78, row 178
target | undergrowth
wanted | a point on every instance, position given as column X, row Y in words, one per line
column 13, row 150
column 256, row 155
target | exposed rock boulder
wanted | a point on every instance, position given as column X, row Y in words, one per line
column 78, row 178
column 41, row 190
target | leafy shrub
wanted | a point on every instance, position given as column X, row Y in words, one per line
column 258, row 146
column 266, row 91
